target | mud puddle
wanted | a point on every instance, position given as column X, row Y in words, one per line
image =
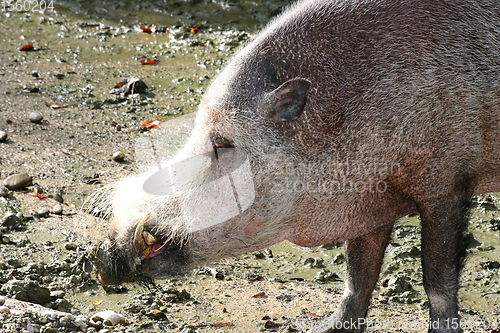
column 81, row 50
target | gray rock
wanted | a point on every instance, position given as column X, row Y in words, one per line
column 3, row 136
column 4, row 309
column 2, row 300
column 28, row 291
column 118, row 156
column 11, row 220
column 35, row 117
column 4, row 191
column 16, row 263
column 18, row 181
column 57, row 197
column 44, row 212
column 70, row 246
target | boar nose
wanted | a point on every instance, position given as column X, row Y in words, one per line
column 101, row 262
column 108, row 265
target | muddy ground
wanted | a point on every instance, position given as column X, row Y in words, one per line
column 81, row 50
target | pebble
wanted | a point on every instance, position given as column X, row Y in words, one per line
column 118, row 156
column 70, row 246
column 81, row 323
column 3, row 136
column 35, row 117
column 44, row 212
column 2, row 301
column 58, row 209
column 111, row 316
column 4, row 191
column 4, row 309
column 57, row 294
column 50, row 315
column 10, row 220
column 18, row 181
column 57, row 197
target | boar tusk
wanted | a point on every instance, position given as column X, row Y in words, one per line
column 140, row 246
column 149, row 238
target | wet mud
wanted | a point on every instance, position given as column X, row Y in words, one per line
column 81, row 51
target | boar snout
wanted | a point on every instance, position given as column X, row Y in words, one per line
column 145, row 253
column 110, row 265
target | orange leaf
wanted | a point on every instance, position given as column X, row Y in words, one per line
column 27, row 47
column 222, row 324
column 98, row 302
column 149, row 62
column 312, row 315
column 151, row 123
column 194, row 29
column 147, row 29
column 156, row 311
column 258, row 295
column 39, row 196
column 121, row 83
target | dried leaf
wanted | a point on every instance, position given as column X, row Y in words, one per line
column 147, row 29
column 151, row 123
column 222, row 324
column 259, row 295
column 27, row 47
column 312, row 315
column 202, row 44
column 98, row 302
column 194, row 28
column 121, row 83
column 149, row 62
column 38, row 195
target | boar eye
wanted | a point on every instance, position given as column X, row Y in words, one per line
column 219, row 142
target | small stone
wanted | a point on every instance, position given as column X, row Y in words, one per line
column 4, row 191
column 44, row 212
column 5, row 240
column 3, row 136
column 2, row 300
column 111, row 316
column 58, row 209
column 70, row 246
column 18, row 181
column 57, row 294
column 26, row 290
column 118, row 156
column 57, row 197
column 81, row 323
column 51, row 315
column 64, row 321
column 35, row 117
column 10, row 221
column 4, row 309
column 16, row 263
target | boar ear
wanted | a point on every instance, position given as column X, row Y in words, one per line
column 287, row 102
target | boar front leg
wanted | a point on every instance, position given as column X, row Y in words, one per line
column 444, row 221
column 364, row 257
